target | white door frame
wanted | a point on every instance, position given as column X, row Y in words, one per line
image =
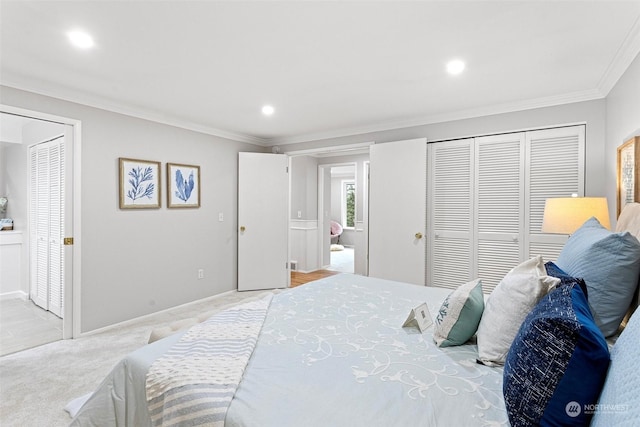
column 331, row 151
column 71, row 318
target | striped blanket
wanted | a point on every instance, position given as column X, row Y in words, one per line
column 194, row 382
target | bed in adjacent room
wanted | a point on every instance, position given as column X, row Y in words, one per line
column 334, row 353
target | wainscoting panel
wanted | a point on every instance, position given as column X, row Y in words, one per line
column 304, row 244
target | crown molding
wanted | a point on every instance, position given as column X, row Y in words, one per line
column 531, row 104
column 71, row 95
column 622, row 60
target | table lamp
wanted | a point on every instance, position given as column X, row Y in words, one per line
column 564, row 215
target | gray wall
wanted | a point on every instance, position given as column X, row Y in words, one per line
column 623, row 122
column 304, row 187
column 136, row 262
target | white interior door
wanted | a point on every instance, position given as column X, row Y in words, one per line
column 263, row 191
column 397, row 210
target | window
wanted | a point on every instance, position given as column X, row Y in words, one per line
column 348, row 204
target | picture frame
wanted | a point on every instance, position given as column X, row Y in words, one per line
column 139, row 184
column 183, row 183
column 628, row 173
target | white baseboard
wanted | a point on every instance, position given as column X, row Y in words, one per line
column 14, row 295
column 136, row 319
column 304, row 271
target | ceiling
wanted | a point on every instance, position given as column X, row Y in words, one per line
column 329, row 68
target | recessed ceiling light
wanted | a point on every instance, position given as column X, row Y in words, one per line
column 455, row 67
column 80, row 39
column 268, row 110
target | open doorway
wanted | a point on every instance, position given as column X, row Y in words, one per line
column 312, row 208
column 36, row 177
column 338, row 207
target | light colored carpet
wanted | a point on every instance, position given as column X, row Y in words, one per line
column 342, row 261
column 36, row 384
column 25, row 325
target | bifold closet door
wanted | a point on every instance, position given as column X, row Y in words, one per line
column 451, row 261
column 397, row 210
column 499, row 205
column 486, row 201
column 555, row 160
column 47, row 224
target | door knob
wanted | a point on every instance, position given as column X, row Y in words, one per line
column 418, row 235
column 242, row 228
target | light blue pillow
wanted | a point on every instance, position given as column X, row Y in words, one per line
column 459, row 315
column 618, row 404
column 609, row 263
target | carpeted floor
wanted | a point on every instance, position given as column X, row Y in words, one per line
column 342, row 261
column 36, row 384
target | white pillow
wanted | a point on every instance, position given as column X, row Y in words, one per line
column 509, row 303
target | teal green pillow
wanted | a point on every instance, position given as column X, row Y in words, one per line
column 459, row 315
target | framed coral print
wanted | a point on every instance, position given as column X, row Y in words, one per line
column 183, row 182
column 628, row 173
column 139, row 184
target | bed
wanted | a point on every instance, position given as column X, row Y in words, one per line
column 334, row 353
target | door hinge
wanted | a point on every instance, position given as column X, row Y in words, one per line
column 68, row 241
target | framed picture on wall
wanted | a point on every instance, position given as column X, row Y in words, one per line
column 628, row 173
column 139, row 184
column 183, row 182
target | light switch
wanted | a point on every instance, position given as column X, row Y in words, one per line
column 299, row 214
column 220, row 217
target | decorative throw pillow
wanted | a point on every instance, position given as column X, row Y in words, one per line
column 509, row 303
column 557, row 364
column 618, row 405
column 459, row 315
column 554, row 271
column 609, row 263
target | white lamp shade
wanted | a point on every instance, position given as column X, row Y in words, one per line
column 564, row 215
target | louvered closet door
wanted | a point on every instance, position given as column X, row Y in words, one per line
column 39, row 226
column 556, row 169
column 47, row 225
column 450, row 261
column 56, row 226
column 499, row 205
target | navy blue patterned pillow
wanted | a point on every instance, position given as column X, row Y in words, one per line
column 554, row 271
column 558, row 362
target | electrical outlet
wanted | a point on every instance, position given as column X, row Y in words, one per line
column 201, row 274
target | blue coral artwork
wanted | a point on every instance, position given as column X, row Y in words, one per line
column 139, row 184
column 184, row 186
